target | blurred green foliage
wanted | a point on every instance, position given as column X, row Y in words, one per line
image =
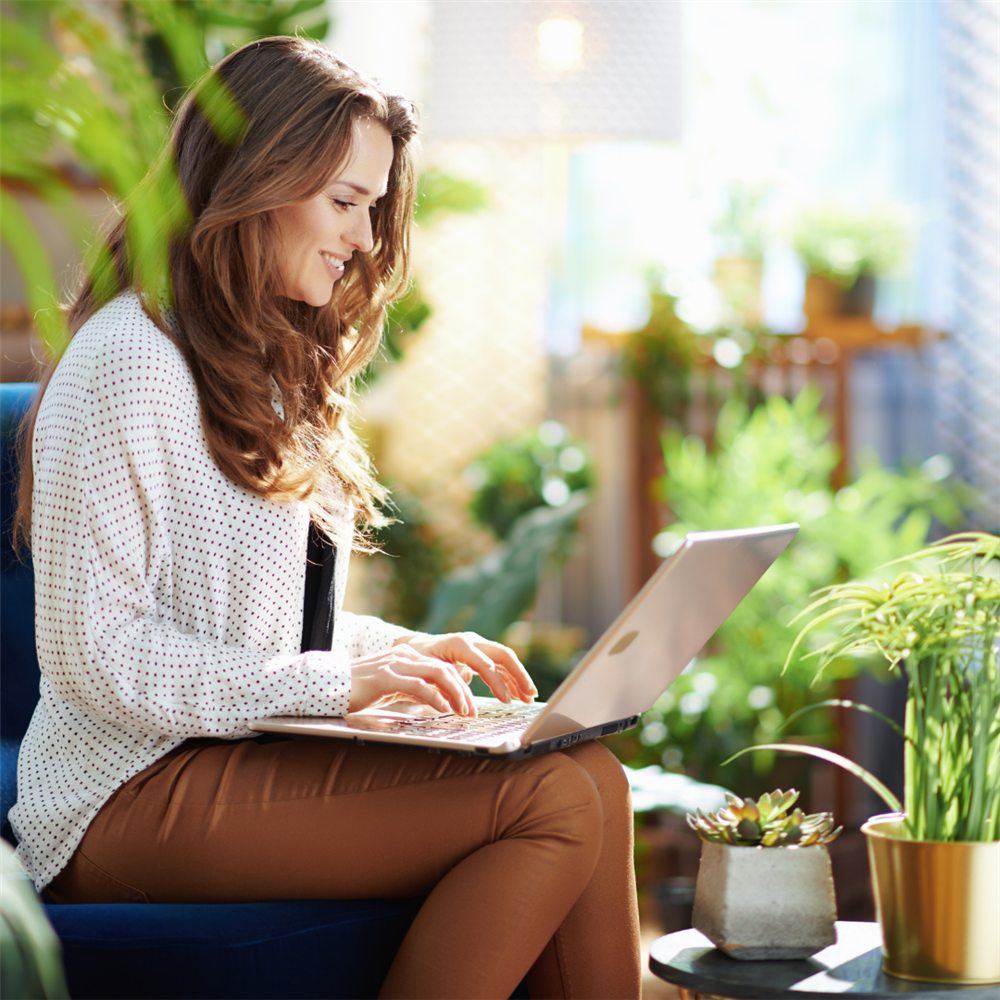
column 491, row 595
column 770, row 466
column 842, row 244
column 30, row 953
column 540, row 468
column 180, row 40
column 438, row 192
column 659, row 357
column 413, row 559
column 530, row 492
column 88, row 100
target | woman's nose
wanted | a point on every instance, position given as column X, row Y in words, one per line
column 360, row 234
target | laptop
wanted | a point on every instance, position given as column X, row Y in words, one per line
column 650, row 643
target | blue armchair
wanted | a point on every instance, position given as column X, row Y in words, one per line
column 240, row 950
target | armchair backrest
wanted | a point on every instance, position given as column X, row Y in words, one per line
column 18, row 662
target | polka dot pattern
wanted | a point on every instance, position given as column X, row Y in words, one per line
column 168, row 600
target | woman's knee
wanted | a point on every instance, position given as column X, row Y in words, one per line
column 606, row 772
column 559, row 797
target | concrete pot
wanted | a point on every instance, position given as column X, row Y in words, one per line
column 766, row 902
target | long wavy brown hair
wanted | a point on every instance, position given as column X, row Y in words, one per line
column 299, row 107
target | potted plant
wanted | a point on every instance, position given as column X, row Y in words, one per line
column 844, row 252
column 740, row 233
column 936, row 863
column 765, row 884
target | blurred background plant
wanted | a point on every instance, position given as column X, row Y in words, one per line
column 540, row 468
column 845, row 252
column 411, row 562
column 772, row 465
column 30, row 953
column 658, row 358
column 841, row 244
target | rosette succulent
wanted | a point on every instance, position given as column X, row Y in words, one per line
column 764, row 823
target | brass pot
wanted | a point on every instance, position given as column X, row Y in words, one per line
column 937, row 905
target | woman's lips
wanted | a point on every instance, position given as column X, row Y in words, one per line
column 333, row 264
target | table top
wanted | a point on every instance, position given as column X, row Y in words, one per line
column 851, row 967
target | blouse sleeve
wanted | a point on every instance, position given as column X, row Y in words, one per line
column 166, row 597
column 359, row 635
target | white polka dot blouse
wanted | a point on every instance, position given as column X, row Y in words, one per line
column 168, row 600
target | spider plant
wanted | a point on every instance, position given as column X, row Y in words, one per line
column 941, row 627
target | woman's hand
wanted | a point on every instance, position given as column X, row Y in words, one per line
column 435, row 670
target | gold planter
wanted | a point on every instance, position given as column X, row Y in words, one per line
column 937, row 904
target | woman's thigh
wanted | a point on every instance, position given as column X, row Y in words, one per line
column 217, row 821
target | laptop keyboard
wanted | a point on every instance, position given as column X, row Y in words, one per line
column 500, row 721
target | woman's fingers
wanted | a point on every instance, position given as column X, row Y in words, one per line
column 506, row 661
column 498, row 666
column 404, row 672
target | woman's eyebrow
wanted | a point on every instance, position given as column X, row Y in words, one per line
column 360, row 189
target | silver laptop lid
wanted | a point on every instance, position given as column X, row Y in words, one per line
column 661, row 630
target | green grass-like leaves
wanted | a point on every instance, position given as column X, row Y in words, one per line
column 939, row 626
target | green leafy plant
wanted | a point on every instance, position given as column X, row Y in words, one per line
column 176, row 38
column 740, row 228
column 491, row 595
column 658, row 359
column 841, row 244
column 541, row 468
column 940, row 626
column 773, row 465
column 439, row 192
column 764, row 823
column 410, row 563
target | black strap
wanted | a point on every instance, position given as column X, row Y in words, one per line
column 320, row 608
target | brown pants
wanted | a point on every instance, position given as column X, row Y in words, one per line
column 528, row 864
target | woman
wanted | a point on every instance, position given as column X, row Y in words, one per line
column 192, row 491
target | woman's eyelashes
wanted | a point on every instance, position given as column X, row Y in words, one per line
column 344, row 206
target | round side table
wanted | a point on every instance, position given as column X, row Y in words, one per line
column 850, row 968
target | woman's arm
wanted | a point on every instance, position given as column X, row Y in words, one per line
column 168, row 600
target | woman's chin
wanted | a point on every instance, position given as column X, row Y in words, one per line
column 317, row 298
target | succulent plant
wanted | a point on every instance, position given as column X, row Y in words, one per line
column 764, row 823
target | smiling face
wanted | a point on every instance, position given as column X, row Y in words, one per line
column 316, row 237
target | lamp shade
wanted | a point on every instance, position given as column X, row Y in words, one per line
column 602, row 69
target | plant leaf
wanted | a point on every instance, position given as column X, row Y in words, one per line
column 832, row 758
column 844, row 703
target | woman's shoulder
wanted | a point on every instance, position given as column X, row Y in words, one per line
column 121, row 342
column 121, row 362
column 123, row 325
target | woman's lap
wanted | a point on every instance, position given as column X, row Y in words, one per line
column 218, row 821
